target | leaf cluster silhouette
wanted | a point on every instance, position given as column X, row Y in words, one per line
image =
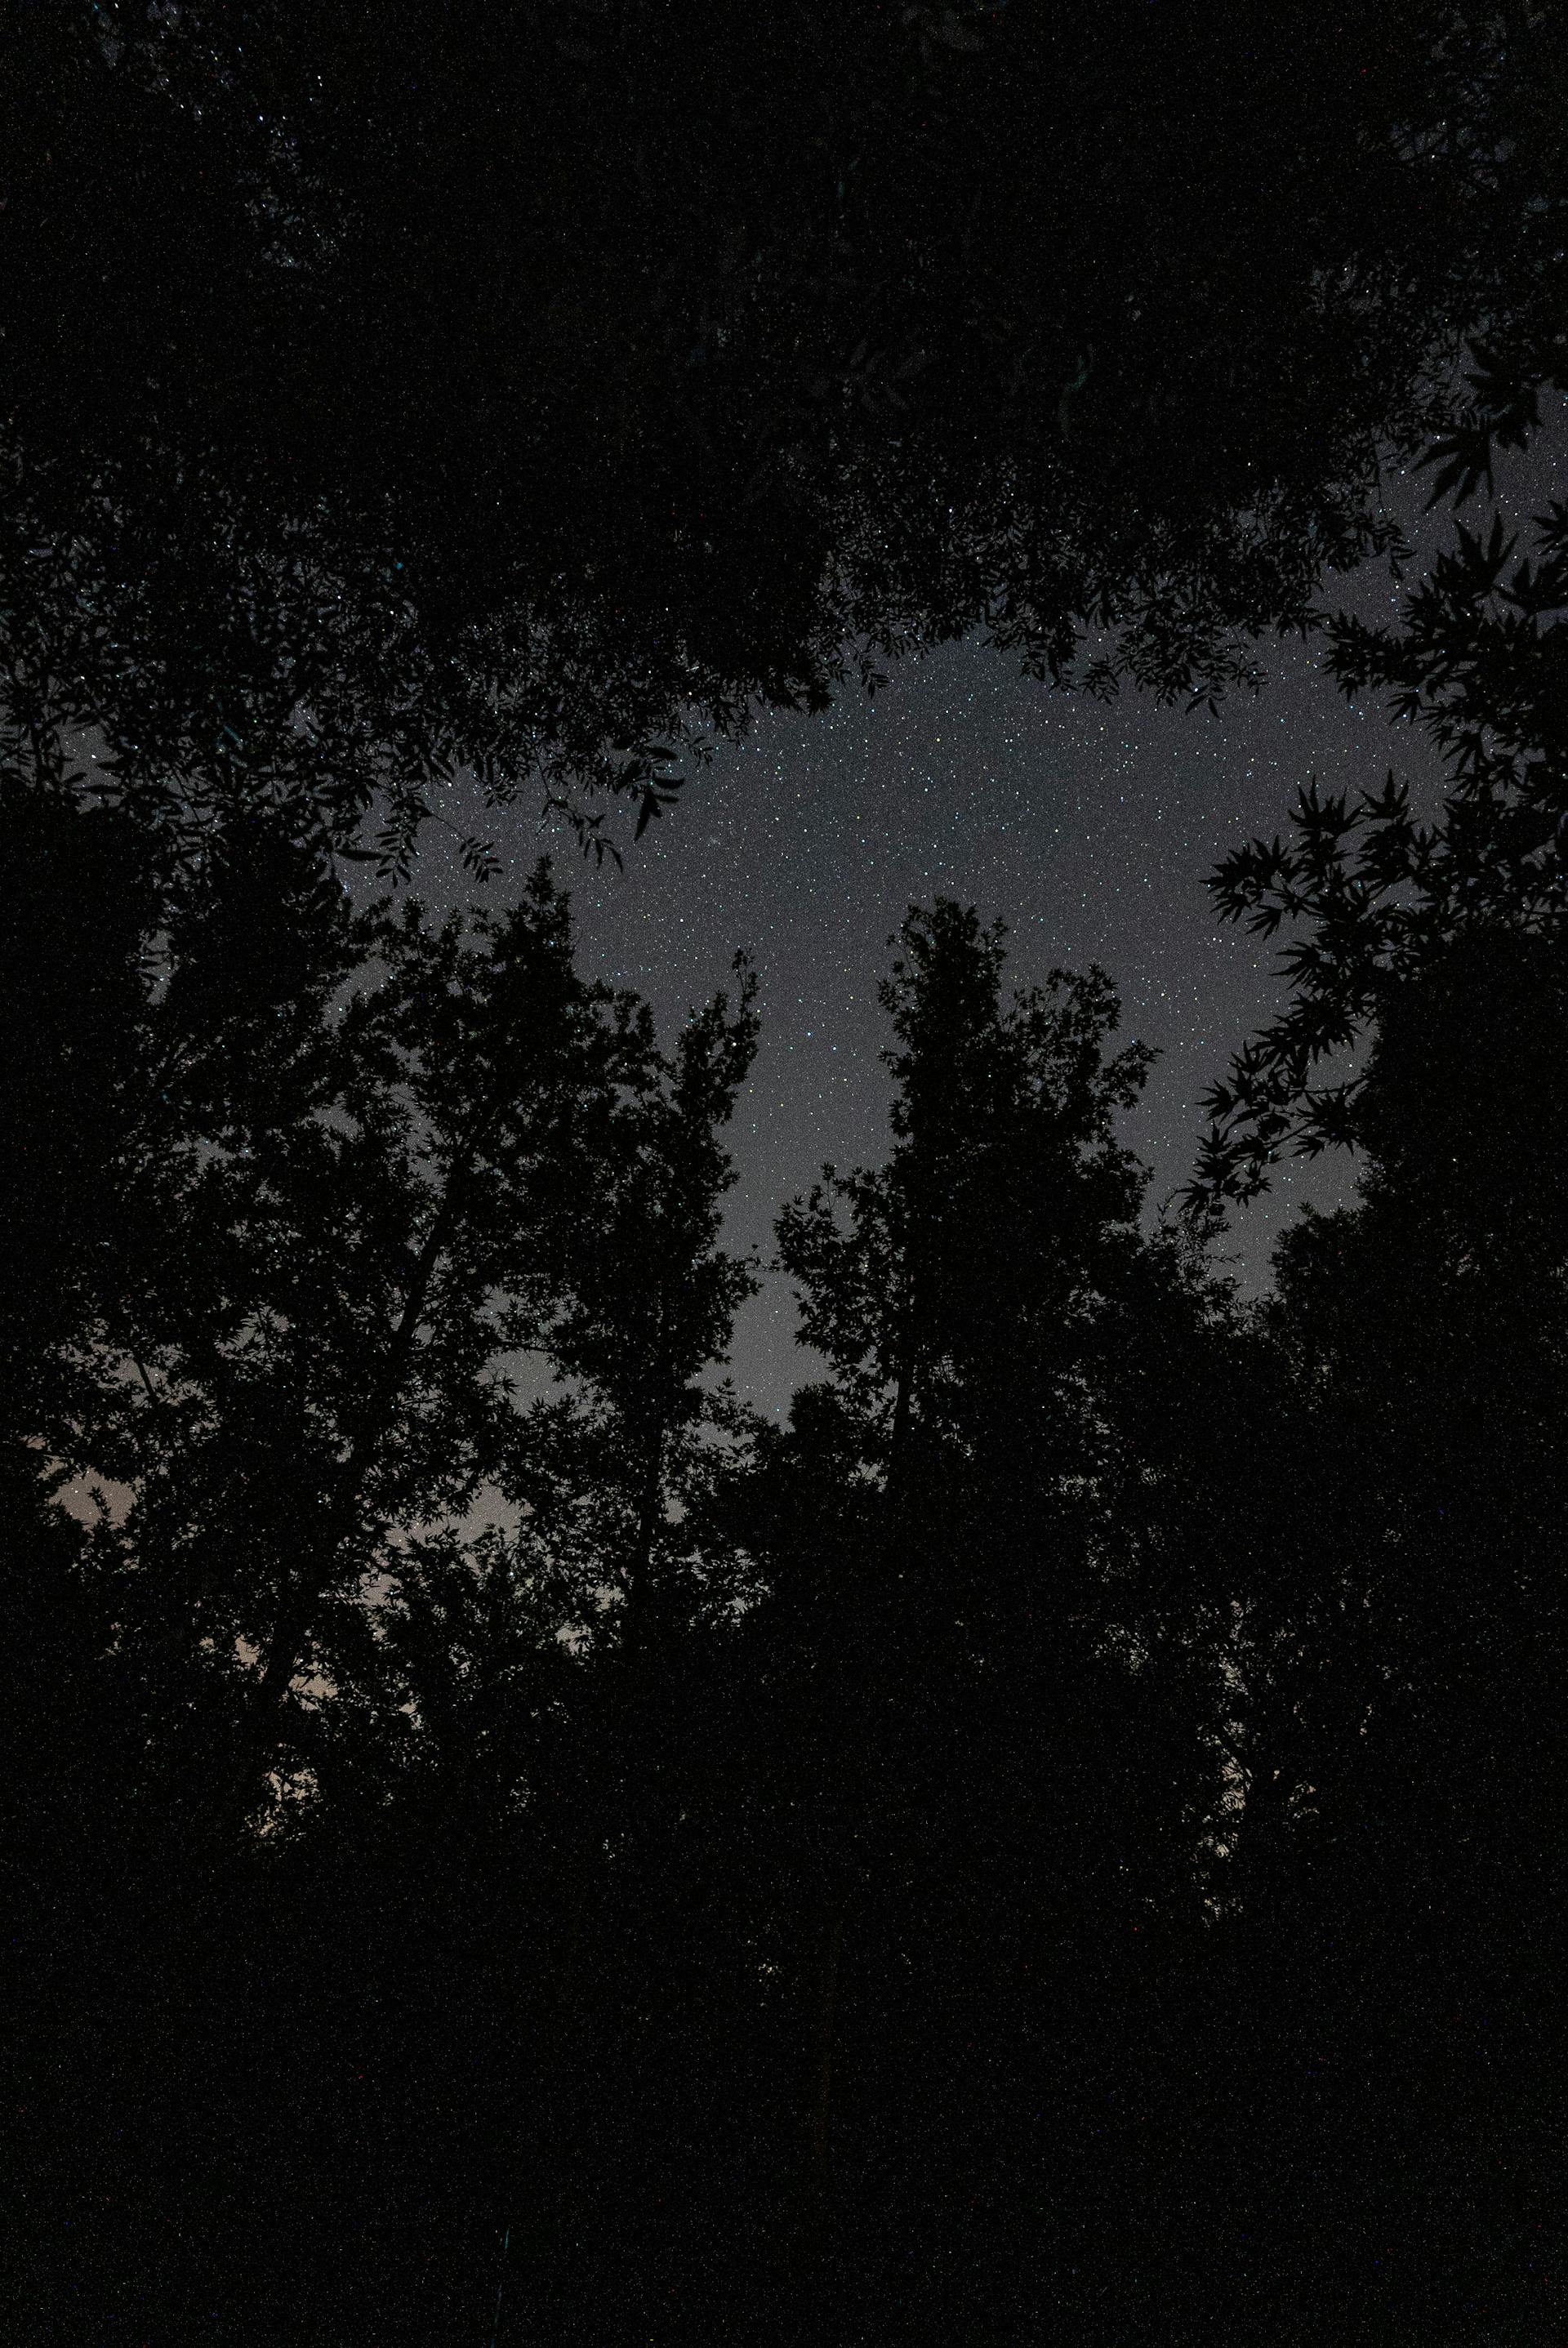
column 537, row 389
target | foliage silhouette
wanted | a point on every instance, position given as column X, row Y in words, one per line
column 1387, row 898
column 537, row 390
column 1019, row 1836
column 497, row 1841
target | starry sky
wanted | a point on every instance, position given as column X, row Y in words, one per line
column 1089, row 828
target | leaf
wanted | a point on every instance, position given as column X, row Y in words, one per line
column 649, row 812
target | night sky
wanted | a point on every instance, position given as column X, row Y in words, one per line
column 1089, row 828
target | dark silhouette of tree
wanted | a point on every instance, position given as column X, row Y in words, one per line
column 274, row 1249
column 1403, row 1718
column 1384, row 897
column 537, row 389
column 643, row 1328
column 371, row 1622
column 994, row 1747
column 1405, row 2084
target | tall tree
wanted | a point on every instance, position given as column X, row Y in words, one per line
column 324, row 1184
column 1408, row 1724
column 327, row 1225
column 1017, row 1757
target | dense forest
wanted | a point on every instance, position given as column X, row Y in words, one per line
column 1064, row 1837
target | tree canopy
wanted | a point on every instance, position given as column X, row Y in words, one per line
column 1382, row 903
column 1065, row 1834
column 385, row 388
column 496, row 1831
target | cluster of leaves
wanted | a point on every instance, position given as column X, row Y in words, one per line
column 538, row 391
column 1478, row 662
column 298, row 1193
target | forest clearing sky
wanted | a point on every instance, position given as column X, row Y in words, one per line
column 1089, row 827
